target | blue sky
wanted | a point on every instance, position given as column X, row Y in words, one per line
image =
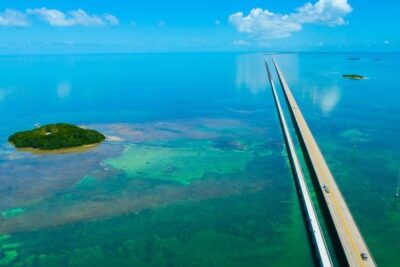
column 62, row 26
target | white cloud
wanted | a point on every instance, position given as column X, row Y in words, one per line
column 328, row 12
column 264, row 23
column 112, row 20
column 13, row 18
column 268, row 25
column 72, row 18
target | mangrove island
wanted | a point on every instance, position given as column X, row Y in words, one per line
column 55, row 137
column 353, row 76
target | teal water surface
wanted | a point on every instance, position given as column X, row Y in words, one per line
column 194, row 170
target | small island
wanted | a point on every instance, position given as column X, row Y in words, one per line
column 56, row 137
column 353, row 76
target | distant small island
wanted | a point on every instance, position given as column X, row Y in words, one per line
column 353, row 76
column 56, row 137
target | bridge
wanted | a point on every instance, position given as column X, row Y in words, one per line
column 351, row 242
column 311, row 216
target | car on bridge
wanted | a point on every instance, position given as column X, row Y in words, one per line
column 326, row 188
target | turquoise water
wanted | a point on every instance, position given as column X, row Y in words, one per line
column 194, row 172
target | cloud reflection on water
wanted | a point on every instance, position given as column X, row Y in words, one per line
column 326, row 98
column 2, row 95
column 250, row 73
column 324, row 93
column 63, row 89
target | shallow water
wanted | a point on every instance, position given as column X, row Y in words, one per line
column 194, row 172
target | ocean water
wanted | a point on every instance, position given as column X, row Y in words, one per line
column 194, row 171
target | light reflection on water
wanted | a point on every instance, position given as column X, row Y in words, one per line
column 63, row 89
column 327, row 98
column 250, row 73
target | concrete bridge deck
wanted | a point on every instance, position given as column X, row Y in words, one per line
column 310, row 214
column 350, row 237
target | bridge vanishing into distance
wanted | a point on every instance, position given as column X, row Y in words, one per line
column 350, row 246
column 312, row 218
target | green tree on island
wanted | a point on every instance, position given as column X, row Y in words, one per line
column 56, row 136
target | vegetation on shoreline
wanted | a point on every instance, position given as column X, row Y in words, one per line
column 56, row 136
column 353, row 76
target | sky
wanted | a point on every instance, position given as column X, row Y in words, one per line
column 72, row 26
